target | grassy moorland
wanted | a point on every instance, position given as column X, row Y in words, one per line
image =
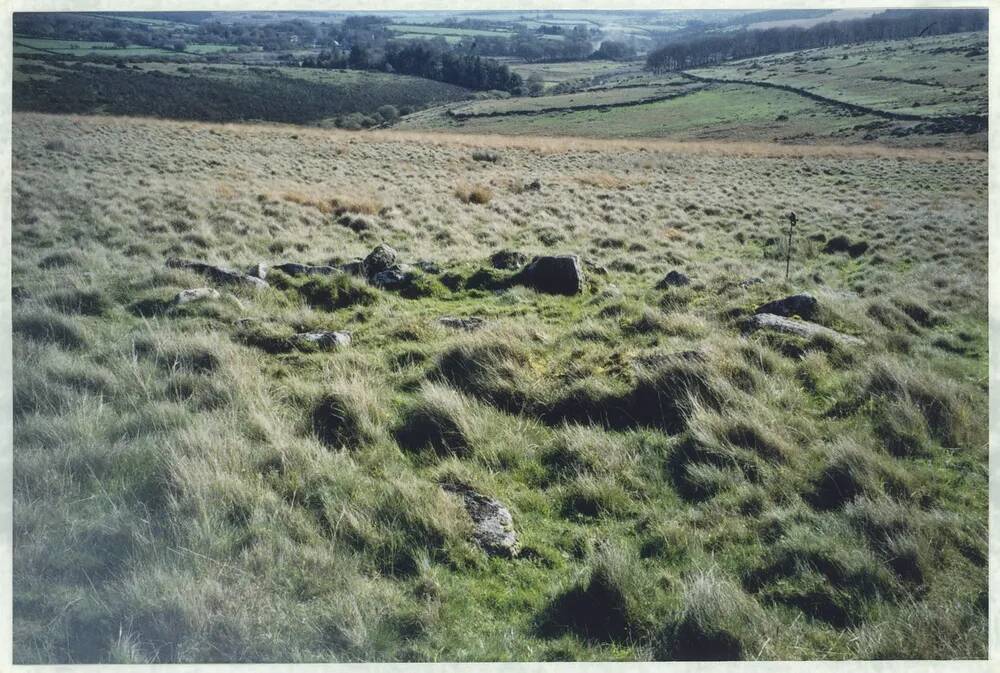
column 190, row 485
column 219, row 92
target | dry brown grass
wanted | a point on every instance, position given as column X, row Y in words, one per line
column 361, row 204
column 478, row 194
column 603, row 180
column 545, row 145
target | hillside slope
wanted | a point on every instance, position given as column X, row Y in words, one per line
column 195, row 483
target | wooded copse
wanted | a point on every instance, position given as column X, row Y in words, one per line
column 889, row 25
column 424, row 59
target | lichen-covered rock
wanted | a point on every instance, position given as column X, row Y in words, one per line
column 380, row 259
column 322, row 340
column 468, row 324
column 804, row 305
column 390, row 279
column 196, row 294
column 218, row 274
column 802, row 328
column 558, row 274
column 493, row 526
column 508, row 259
column 296, row 269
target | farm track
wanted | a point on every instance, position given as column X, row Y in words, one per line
column 963, row 123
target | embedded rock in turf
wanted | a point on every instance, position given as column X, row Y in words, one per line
column 802, row 328
column 323, row 340
column 295, row 269
column 468, row 324
column 196, row 294
column 493, row 527
column 804, row 305
column 559, row 274
column 508, row 259
column 216, row 273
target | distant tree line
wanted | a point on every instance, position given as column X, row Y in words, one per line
column 889, row 25
column 428, row 60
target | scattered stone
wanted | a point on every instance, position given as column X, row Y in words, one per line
column 380, row 259
column 218, row 274
column 428, row 267
column 468, row 324
column 802, row 328
column 749, row 282
column 493, row 526
column 326, row 341
column 673, row 279
column 196, row 294
column 390, row 279
column 804, row 305
column 533, row 186
column 259, row 270
column 354, row 268
column 295, row 269
column 508, row 259
column 559, row 274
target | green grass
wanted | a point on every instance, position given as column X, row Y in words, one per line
column 947, row 76
column 189, row 489
column 941, row 75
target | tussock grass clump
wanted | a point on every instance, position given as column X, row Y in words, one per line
column 437, row 421
column 478, row 194
column 592, row 496
column 172, row 352
column 949, row 416
column 850, row 471
column 717, row 621
column 902, row 427
column 61, row 259
column 605, row 605
column 823, row 571
column 337, row 422
column 721, row 450
column 328, row 293
column 493, row 366
column 82, row 302
column 49, row 328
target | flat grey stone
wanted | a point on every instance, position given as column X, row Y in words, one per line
column 493, row 526
column 196, row 294
column 802, row 328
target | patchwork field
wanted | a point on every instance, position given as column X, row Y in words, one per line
column 201, row 481
column 840, row 95
column 942, row 75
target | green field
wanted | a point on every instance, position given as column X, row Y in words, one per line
column 32, row 45
column 942, row 75
column 953, row 67
column 603, row 96
column 557, row 73
column 408, row 29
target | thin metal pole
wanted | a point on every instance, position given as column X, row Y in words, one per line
column 788, row 251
